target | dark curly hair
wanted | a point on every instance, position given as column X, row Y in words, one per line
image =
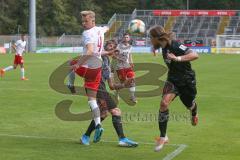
column 112, row 41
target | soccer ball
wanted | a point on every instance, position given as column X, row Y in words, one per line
column 136, row 26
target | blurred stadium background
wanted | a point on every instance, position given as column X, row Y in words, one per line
column 29, row 128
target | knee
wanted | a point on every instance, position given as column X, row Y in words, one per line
column 104, row 114
column 164, row 105
column 111, row 86
column 115, row 111
column 191, row 106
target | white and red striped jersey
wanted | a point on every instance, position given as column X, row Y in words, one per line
column 94, row 36
column 123, row 57
column 20, row 47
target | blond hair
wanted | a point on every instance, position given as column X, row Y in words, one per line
column 88, row 13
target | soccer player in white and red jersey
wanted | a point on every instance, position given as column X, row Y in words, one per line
column 89, row 65
column 19, row 47
column 124, row 64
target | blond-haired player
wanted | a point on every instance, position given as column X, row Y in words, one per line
column 89, row 65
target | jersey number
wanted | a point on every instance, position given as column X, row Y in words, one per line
column 99, row 44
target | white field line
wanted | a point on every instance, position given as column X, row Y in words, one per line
column 170, row 156
column 176, row 152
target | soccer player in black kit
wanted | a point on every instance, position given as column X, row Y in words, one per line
column 180, row 80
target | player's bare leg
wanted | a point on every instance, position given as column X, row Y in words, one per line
column 9, row 68
column 117, row 123
column 193, row 111
column 191, row 105
column 163, row 120
column 85, row 139
column 130, row 84
column 132, row 90
column 23, row 73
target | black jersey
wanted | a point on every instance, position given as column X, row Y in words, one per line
column 102, row 93
column 106, row 69
column 106, row 72
column 178, row 71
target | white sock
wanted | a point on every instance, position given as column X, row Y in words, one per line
column 22, row 72
column 132, row 91
column 8, row 68
column 95, row 110
column 71, row 78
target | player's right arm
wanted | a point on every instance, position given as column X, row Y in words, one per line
column 109, row 53
column 116, row 55
column 90, row 49
column 14, row 46
column 184, row 54
column 83, row 59
column 88, row 41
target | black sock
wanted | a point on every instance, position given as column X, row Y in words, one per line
column 194, row 110
column 117, row 123
column 162, row 122
column 91, row 127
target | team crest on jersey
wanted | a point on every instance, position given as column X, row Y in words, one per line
column 182, row 47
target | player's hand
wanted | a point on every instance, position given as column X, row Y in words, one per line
column 132, row 65
column 75, row 66
column 110, row 53
column 127, row 83
column 115, row 52
column 171, row 57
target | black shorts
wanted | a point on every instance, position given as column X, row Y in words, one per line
column 186, row 90
column 104, row 99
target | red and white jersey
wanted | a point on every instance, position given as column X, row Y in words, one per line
column 123, row 57
column 94, row 36
column 20, row 47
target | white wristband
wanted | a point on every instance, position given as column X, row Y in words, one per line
column 179, row 58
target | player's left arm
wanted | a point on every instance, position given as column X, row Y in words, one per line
column 131, row 60
column 25, row 49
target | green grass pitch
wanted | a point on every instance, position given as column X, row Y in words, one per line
column 30, row 130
